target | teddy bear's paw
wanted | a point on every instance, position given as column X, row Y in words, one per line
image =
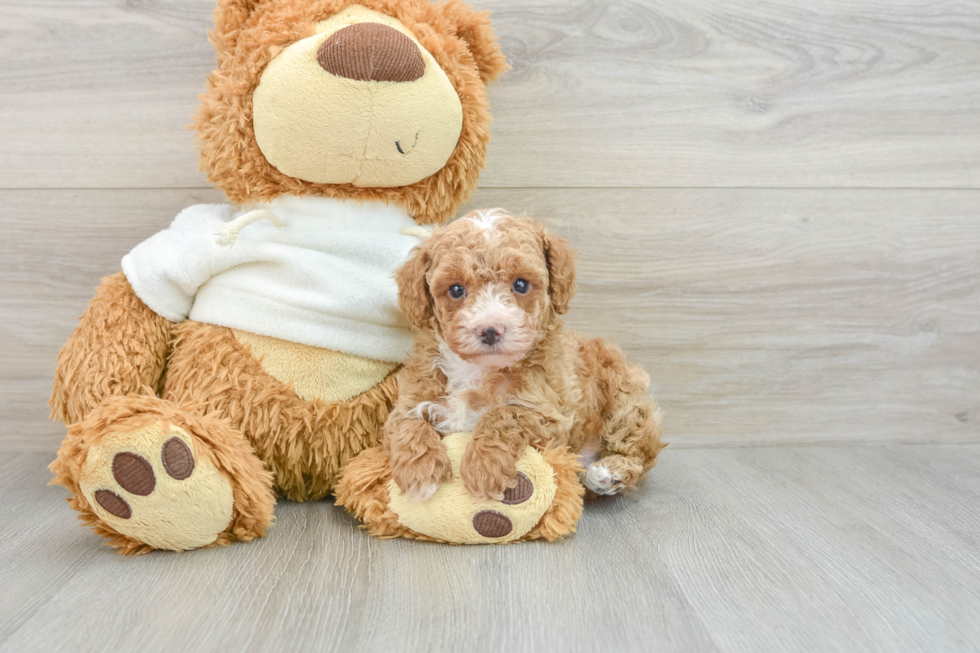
column 149, row 485
column 452, row 514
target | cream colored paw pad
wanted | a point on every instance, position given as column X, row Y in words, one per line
column 453, row 515
column 148, row 485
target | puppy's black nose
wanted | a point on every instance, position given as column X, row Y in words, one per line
column 489, row 336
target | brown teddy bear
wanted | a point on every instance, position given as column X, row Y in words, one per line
column 249, row 350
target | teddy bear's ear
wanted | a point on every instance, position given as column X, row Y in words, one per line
column 474, row 28
column 230, row 17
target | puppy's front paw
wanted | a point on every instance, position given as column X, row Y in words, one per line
column 420, row 494
column 487, row 469
column 420, row 478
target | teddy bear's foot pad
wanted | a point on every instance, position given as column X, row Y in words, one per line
column 148, row 485
column 453, row 515
column 494, row 524
column 545, row 502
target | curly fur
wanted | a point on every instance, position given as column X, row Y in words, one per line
column 249, row 34
column 557, row 389
column 419, row 460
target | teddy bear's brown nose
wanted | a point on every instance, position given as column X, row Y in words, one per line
column 371, row 52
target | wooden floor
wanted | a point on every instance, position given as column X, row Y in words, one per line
column 777, row 209
column 861, row 548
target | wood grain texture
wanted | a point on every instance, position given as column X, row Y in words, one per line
column 841, row 93
column 727, row 550
column 763, row 317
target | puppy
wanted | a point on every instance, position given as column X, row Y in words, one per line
column 486, row 293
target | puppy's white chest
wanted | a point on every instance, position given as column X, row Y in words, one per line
column 456, row 416
column 452, row 413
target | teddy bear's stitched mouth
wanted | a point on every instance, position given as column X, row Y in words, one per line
column 398, row 145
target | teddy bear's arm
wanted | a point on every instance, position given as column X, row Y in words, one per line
column 119, row 347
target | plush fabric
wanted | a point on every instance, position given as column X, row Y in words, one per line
column 395, row 56
column 264, row 339
column 162, row 518
column 324, row 278
column 305, row 443
column 315, row 373
column 249, row 35
column 439, row 516
column 177, row 514
column 96, row 363
column 362, row 133
column 365, row 491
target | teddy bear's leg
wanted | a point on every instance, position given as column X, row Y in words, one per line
column 147, row 474
column 546, row 502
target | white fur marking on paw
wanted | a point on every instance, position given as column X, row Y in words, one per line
column 600, row 480
column 425, row 493
column 452, row 414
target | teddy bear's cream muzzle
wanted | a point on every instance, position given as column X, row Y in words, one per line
column 324, row 113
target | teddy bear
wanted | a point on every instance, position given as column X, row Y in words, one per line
column 248, row 352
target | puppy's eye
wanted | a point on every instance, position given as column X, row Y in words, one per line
column 456, row 291
column 521, row 286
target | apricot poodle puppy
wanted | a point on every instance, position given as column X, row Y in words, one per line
column 486, row 293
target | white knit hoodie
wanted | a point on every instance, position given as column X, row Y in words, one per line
column 324, row 278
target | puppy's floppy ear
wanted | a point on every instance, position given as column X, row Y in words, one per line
column 475, row 29
column 561, row 270
column 414, row 298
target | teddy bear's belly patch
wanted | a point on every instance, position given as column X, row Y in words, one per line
column 315, row 373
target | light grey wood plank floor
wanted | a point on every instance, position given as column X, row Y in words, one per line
column 693, row 93
column 762, row 316
column 860, row 548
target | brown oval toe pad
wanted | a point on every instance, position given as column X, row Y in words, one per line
column 177, row 459
column 490, row 523
column 133, row 473
column 520, row 493
column 114, row 504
